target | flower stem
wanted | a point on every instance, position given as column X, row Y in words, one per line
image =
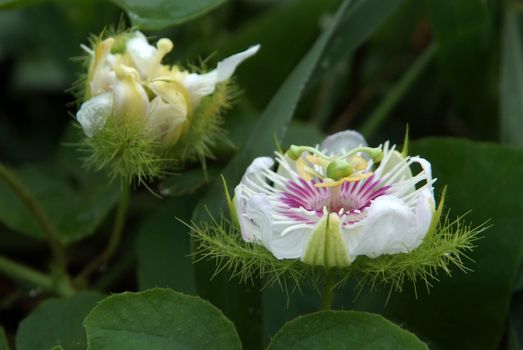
column 50, row 232
column 398, row 90
column 114, row 239
column 328, row 292
column 60, row 286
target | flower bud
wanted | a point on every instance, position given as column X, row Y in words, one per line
column 158, row 109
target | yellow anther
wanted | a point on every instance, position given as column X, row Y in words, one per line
column 122, row 72
column 311, row 158
column 358, row 163
column 353, row 178
column 303, row 170
column 164, row 46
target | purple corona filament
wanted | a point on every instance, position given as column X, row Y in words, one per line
column 350, row 199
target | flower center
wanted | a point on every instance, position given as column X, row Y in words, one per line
column 304, row 201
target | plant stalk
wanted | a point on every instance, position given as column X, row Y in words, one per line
column 328, row 292
column 50, row 231
column 114, row 239
column 59, row 286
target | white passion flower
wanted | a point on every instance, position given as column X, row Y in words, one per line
column 126, row 79
column 330, row 204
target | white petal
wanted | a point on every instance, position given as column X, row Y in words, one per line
column 255, row 170
column 165, row 121
column 254, row 215
column 94, row 112
column 342, row 142
column 142, row 53
column 130, row 98
column 426, row 166
column 200, row 85
column 352, row 235
column 226, row 68
column 293, row 244
column 424, row 212
column 389, row 228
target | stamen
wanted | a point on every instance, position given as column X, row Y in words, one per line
column 163, row 47
column 339, row 182
column 376, row 154
column 303, row 170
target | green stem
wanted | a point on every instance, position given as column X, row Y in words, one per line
column 328, row 292
column 50, row 232
column 114, row 239
column 398, row 90
column 21, row 272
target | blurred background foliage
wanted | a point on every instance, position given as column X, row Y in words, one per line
column 449, row 69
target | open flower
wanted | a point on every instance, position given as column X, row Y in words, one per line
column 330, row 204
column 126, row 79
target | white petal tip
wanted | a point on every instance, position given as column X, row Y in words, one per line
column 94, row 112
column 226, row 68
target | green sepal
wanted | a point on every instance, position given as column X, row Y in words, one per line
column 326, row 246
column 405, row 148
column 437, row 213
column 205, row 129
column 230, row 203
column 126, row 151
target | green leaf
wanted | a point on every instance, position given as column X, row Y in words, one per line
column 4, row 345
column 462, row 30
column 163, row 248
column 18, row 3
column 515, row 325
column 159, row 14
column 343, row 330
column 57, row 322
column 511, row 98
column 74, row 205
column 466, row 311
column 158, row 319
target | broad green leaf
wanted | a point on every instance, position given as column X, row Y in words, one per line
column 331, row 330
column 518, row 285
column 159, row 14
column 515, row 323
column 511, row 98
column 467, row 310
column 4, row 345
column 163, row 247
column 158, row 319
column 463, row 33
column 75, row 206
column 57, row 322
column 18, row 3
